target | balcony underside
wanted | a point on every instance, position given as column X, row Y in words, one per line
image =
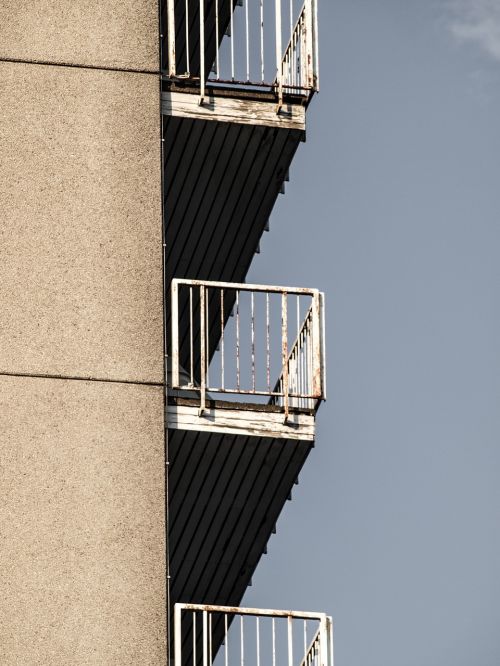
column 227, row 488
column 222, row 180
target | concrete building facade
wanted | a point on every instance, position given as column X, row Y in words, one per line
column 82, row 556
column 129, row 172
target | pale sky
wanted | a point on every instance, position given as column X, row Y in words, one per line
column 393, row 210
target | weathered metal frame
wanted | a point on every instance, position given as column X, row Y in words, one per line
column 282, row 394
column 319, row 651
column 297, row 67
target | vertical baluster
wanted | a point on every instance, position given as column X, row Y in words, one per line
column 304, row 364
column 231, row 22
column 268, row 352
column 279, row 53
column 226, row 642
column 330, row 653
column 290, row 59
column 238, row 339
column 194, row 638
column 252, row 307
column 203, row 380
column 172, row 68
column 222, row 337
column 313, row 8
column 247, row 34
column 257, row 639
column 262, row 73
column 187, row 36
column 205, row 641
column 295, row 60
column 217, row 62
column 290, row 640
column 207, row 340
column 210, row 639
column 274, row 641
column 191, row 341
column 284, row 346
column 299, row 367
column 174, row 351
column 305, row 641
column 202, row 51
column 297, row 355
column 310, row 345
column 242, row 643
column 177, row 635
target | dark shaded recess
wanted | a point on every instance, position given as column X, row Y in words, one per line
column 225, row 495
column 221, row 183
column 193, row 25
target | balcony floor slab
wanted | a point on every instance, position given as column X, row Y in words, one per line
column 235, row 109
column 241, row 419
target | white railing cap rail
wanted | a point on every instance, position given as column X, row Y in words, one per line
column 256, row 612
column 245, row 286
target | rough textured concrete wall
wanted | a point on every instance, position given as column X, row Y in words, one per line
column 82, row 568
column 80, row 232
column 105, row 33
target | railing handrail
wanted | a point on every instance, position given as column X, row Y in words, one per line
column 245, row 286
column 256, row 612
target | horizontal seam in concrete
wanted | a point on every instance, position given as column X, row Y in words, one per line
column 81, row 66
column 81, row 379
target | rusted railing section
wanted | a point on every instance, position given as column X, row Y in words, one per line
column 234, row 339
column 239, row 43
column 250, row 636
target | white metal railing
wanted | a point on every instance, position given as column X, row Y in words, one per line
column 240, row 42
column 250, row 636
column 260, row 332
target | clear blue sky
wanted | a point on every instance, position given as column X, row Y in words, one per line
column 393, row 210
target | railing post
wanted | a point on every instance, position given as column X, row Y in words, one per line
column 317, row 347
column 330, row 641
column 290, row 640
column 279, row 54
column 172, row 70
column 205, row 638
column 284, row 348
column 323, row 346
column 202, row 52
column 174, row 306
column 323, row 643
column 203, row 360
column 307, row 47
column 177, row 636
column 316, row 46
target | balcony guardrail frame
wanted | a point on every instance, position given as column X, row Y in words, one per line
column 302, row 364
column 317, row 652
column 296, row 68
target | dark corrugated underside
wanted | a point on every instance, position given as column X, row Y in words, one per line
column 225, row 495
column 221, row 183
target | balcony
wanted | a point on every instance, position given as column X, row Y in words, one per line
column 243, row 47
column 229, row 341
column 206, row 635
column 237, row 79
column 246, row 379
